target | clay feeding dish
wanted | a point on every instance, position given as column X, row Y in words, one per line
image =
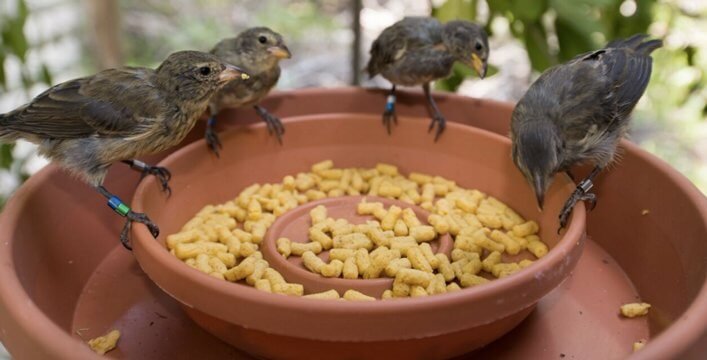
column 433, row 327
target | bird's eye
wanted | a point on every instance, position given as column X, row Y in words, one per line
column 205, row 70
column 479, row 46
column 262, row 39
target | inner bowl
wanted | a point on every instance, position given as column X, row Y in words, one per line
column 439, row 326
column 294, row 225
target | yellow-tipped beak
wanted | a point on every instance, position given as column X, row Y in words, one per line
column 280, row 52
column 232, row 72
column 478, row 65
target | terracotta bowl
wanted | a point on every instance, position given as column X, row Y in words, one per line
column 420, row 328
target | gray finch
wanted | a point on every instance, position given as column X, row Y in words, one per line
column 257, row 51
column 577, row 112
column 418, row 50
column 87, row 124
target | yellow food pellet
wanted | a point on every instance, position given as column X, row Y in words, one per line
column 387, row 189
column 273, row 276
column 332, row 269
column 353, row 241
column 458, row 267
column 525, row 263
column 466, row 243
column 414, row 277
column 400, row 229
column 538, row 248
column 437, row 286
column 325, row 295
column 387, row 294
column 473, row 266
column 479, row 238
column 387, row 169
column 318, row 236
column 240, row 271
column 439, row 223
column 263, row 285
column 635, row 309
column 363, row 260
column 105, row 343
column 368, row 208
column 417, row 291
column 227, row 259
column 638, row 345
column 341, row 254
column 394, row 266
column 318, row 214
column 403, row 243
column 423, row 233
column 353, row 295
column 312, row 262
column 429, row 255
column 284, row 246
column 217, row 265
column 391, row 217
column 490, row 261
column 288, row 289
column 445, row 267
column 350, row 270
column 468, row 280
column 379, row 261
column 255, row 212
column 202, row 263
column 453, row 287
column 331, row 174
column 322, row 165
column 511, row 246
column 504, row 269
column 400, row 288
column 300, row 248
column 525, row 229
column 420, row 178
column 418, row 259
column 379, row 237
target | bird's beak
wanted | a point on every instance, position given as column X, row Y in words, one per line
column 539, row 187
column 280, row 52
column 232, row 72
column 478, row 65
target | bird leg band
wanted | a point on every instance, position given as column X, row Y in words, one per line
column 138, row 165
column 390, row 103
column 118, row 206
column 211, row 121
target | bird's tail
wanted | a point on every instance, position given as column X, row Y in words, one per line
column 636, row 43
column 6, row 134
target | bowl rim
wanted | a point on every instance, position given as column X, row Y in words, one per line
column 156, row 252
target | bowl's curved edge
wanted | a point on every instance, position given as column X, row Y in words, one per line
column 565, row 254
column 17, row 310
column 687, row 337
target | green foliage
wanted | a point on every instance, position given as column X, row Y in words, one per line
column 14, row 44
column 579, row 25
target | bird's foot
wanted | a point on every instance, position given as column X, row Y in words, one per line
column 275, row 126
column 389, row 115
column 212, row 139
column 581, row 193
column 440, row 122
column 162, row 173
column 138, row 217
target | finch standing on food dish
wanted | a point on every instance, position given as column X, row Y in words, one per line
column 577, row 112
column 258, row 51
column 418, row 50
column 87, row 124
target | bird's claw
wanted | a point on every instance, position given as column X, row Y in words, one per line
column 212, row 140
column 141, row 218
column 275, row 126
column 162, row 174
column 389, row 118
column 581, row 193
column 441, row 124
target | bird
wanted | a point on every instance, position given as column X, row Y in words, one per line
column 86, row 124
column 258, row 51
column 418, row 50
column 577, row 112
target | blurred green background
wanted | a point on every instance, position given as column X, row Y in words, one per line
column 44, row 42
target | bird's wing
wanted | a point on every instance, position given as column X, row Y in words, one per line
column 603, row 86
column 409, row 34
column 116, row 102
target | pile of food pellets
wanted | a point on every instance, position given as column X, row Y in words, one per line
column 224, row 240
